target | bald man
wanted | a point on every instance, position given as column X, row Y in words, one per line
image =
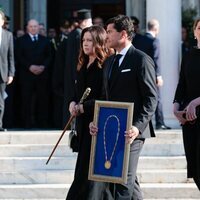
column 34, row 55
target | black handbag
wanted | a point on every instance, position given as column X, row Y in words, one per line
column 73, row 141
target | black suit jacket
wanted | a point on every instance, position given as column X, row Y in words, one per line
column 6, row 56
column 134, row 82
column 151, row 46
column 33, row 53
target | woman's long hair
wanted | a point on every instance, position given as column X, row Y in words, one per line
column 98, row 34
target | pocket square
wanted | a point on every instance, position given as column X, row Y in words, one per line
column 126, row 70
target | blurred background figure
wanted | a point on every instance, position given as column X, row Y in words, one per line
column 185, row 41
column 138, row 38
column 34, row 58
column 98, row 21
column 150, row 44
column 19, row 33
column 42, row 29
column 6, row 24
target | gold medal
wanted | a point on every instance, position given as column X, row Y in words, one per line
column 107, row 164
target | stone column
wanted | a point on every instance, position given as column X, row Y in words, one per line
column 7, row 7
column 168, row 13
column 37, row 9
column 137, row 8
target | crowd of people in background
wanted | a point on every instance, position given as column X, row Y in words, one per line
column 45, row 108
column 54, row 96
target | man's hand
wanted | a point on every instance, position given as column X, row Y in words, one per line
column 159, row 81
column 9, row 80
column 179, row 114
column 36, row 69
column 131, row 134
column 93, row 128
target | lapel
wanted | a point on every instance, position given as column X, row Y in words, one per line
column 122, row 66
column 3, row 41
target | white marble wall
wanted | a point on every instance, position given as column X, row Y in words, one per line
column 7, row 6
column 37, row 9
column 168, row 12
column 137, row 8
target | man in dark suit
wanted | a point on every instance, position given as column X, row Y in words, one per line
column 7, row 68
column 134, row 81
column 34, row 55
column 150, row 44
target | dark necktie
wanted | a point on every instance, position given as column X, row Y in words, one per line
column 115, row 66
column 34, row 38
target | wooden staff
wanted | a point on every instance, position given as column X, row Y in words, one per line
column 85, row 95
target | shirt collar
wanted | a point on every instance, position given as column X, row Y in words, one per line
column 36, row 35
column 124, row 50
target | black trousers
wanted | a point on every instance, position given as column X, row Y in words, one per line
column 129, row 191
column 2, row 102
column 159, row 118
column 34, row 94
column 191, row 140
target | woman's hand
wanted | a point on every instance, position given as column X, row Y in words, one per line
column 191, row 111
column 73, row 109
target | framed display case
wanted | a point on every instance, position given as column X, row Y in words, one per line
column 109, row 150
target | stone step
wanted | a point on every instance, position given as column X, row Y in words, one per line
column 163, row 176
column 52, row 136
column 33, row 137
column 170, row 190
column 35, row 150
column 66, row 176
column 13, row 164
column 59, row 191
column 37, row 177
column 160, row 149
column 162, row 162
column 34, row 191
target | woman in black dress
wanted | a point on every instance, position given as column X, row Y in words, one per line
column 89, row 74
column 186, row 106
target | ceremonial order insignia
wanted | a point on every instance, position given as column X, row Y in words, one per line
column 109, row 151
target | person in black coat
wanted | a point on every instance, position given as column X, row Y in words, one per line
column 34, row 56
column 135, row 82
column 187, row 106
column 7, row 68
column 72, row 52
column 89, row 74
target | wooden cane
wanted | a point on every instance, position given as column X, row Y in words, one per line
column 85, row 95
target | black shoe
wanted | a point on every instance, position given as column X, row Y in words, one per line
column 163, row 127
column 3, row 129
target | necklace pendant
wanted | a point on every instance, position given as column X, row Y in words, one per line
column 107, row 164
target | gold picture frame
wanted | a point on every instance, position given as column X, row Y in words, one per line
column 109, row 157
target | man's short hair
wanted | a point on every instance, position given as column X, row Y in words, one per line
column 122, row 22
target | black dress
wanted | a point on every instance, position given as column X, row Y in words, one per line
column 86, row 77
column 187, row 90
